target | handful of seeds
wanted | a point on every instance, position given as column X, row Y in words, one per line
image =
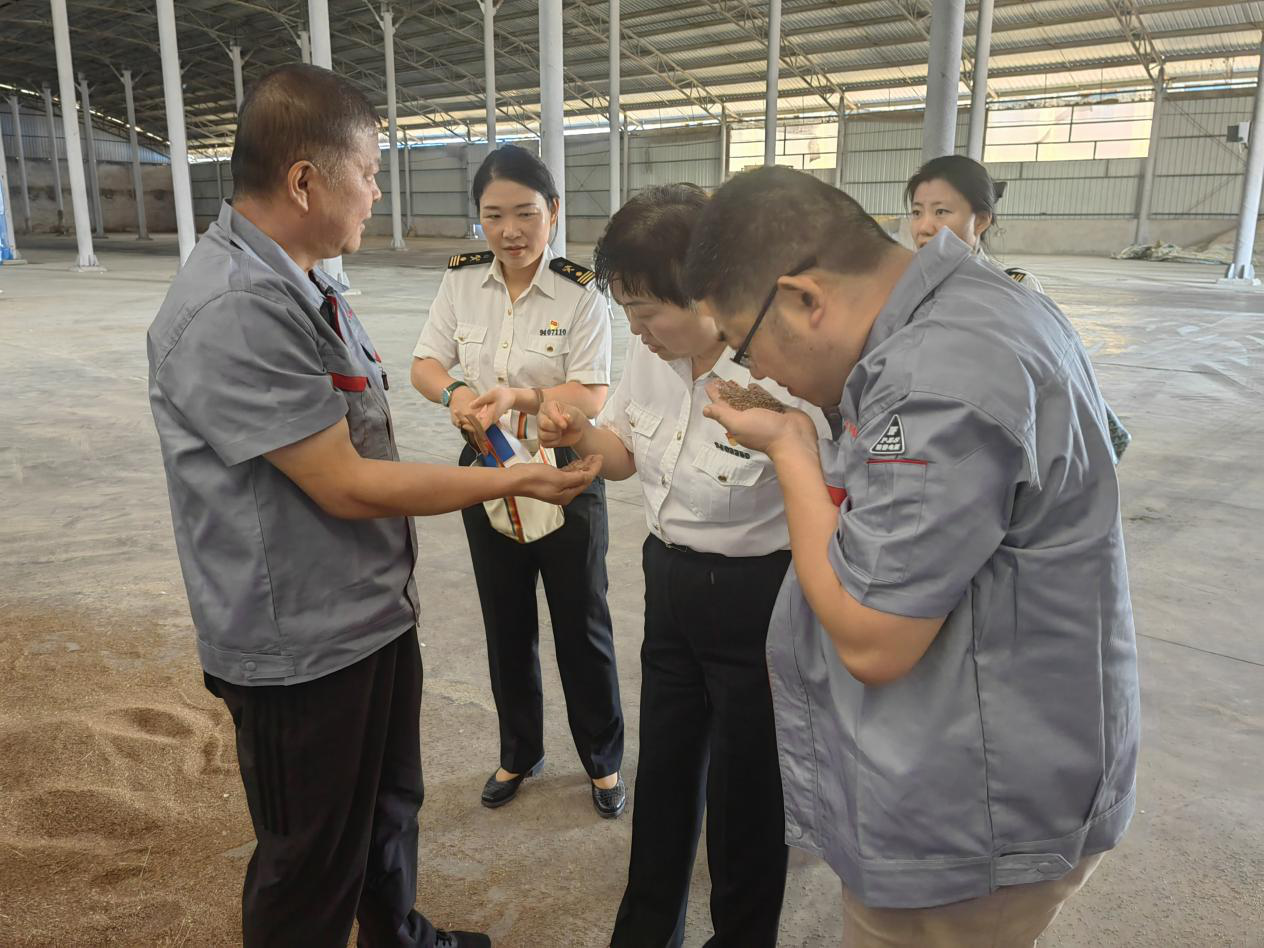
column 584, row 464
column 752, row 396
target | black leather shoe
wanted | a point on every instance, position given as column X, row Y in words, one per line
column 610, row 803
column 499, row 792
column 462, row 940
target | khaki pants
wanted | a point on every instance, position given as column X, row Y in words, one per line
column 1013, row 916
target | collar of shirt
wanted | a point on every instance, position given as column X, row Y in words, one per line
column 268, row 252
column 930, row 267
column 545, row 280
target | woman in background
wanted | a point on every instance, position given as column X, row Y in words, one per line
column 957, row 192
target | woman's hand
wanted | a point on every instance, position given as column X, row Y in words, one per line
column 491, row 406
column 561, row 425
column 759, row 428
column 459, row 406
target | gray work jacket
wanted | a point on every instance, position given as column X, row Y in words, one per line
column 249, row 354
column 975, row 480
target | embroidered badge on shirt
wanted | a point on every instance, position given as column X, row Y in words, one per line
column 553, row 330
column 891, row 444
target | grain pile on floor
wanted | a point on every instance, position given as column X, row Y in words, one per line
column 115, row 771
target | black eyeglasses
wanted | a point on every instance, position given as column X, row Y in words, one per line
column 742, row 356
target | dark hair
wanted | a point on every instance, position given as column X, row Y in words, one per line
column 294, row 113
column 644, row 245
column 969, row 178
column 763, row 223
column 511, row 163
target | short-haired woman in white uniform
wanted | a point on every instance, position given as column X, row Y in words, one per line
column 714, row 561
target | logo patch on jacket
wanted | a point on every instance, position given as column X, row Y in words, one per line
column 891, row 444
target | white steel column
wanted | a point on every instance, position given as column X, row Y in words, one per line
column 304, row 46
column 219, row 179
column 1242, row 271
column 489, row 66
column 840, row 143
column 142, row 228
column 16, row 108
column 173, row 96
column 627, row 160
column 774, row 71
column 615, row 165
column 1141, row 235
column 943, row 78
column 6, row 202
column 87, row 260
column 392, row 126
column 235, row 52
column 552, row 142
column 90, row 146
column 408, row 185
column 978, row 97
column 52, row 156
column 724, row 144
column 321, row 54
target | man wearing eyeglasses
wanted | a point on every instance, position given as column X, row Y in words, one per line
column 952, row 657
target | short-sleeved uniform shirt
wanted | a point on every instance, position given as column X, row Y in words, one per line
column 976, row 481
column 700, row 491
column 249, row 354
column 557, row 331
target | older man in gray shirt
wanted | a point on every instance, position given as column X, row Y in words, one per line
column 291, row 513
column 952, row 657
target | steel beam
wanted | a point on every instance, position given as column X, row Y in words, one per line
column 1242, row 271
column 978, row 81
column 552, row 141
column 90, row 146
column 614, row 119
column 943, row 81
column 392, row 126
column 772, row 80
column 173, row 98
column 1141, row 235
column 142, row 228
column 53, row 157
column 489, row 66
column 16, row 107
column 87, row 259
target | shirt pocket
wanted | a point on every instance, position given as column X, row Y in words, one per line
column 727, row 484
column 470, row 338
column 545, row 358
column 888, row 519
column 643, row 423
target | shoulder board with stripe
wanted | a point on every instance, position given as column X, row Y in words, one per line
column 470, row 259
column 1016, row 275
column 572, row 271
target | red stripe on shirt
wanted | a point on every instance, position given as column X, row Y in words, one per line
column 349, row 383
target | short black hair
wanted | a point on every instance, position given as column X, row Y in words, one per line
column 969, row 178
column 511, row 163
column 645, row 243
column 298, row 112
column 763, row 223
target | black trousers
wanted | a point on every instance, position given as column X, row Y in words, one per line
column 332, row 770
column 707, row 739
column 572, row 563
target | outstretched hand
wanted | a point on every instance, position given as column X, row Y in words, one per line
column 759, row 429
column 556, row 485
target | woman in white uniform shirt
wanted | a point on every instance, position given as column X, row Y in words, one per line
column 714, row 562
column 524, row 326
column 957, row 192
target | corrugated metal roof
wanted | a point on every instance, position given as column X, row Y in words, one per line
column 681, row 58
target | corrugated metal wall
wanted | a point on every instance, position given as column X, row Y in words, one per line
column 110, row 146
column 1198, row 174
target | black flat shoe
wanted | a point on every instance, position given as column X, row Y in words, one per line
column 610, row 803
column 462, row 940
column 499, row 792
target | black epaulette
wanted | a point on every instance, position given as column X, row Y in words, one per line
column 1018, row 276
column 572, row 271
column 469, row 259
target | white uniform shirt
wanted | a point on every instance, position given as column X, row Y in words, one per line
column 700, row 491
column 557, row 331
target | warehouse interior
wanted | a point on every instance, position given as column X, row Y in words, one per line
column 1130, row 136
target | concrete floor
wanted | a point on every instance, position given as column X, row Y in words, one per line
column 87, row 558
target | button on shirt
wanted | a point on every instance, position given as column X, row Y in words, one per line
column 248, row 354
column 557, row 331
column 700, row 491
column 975, row 480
